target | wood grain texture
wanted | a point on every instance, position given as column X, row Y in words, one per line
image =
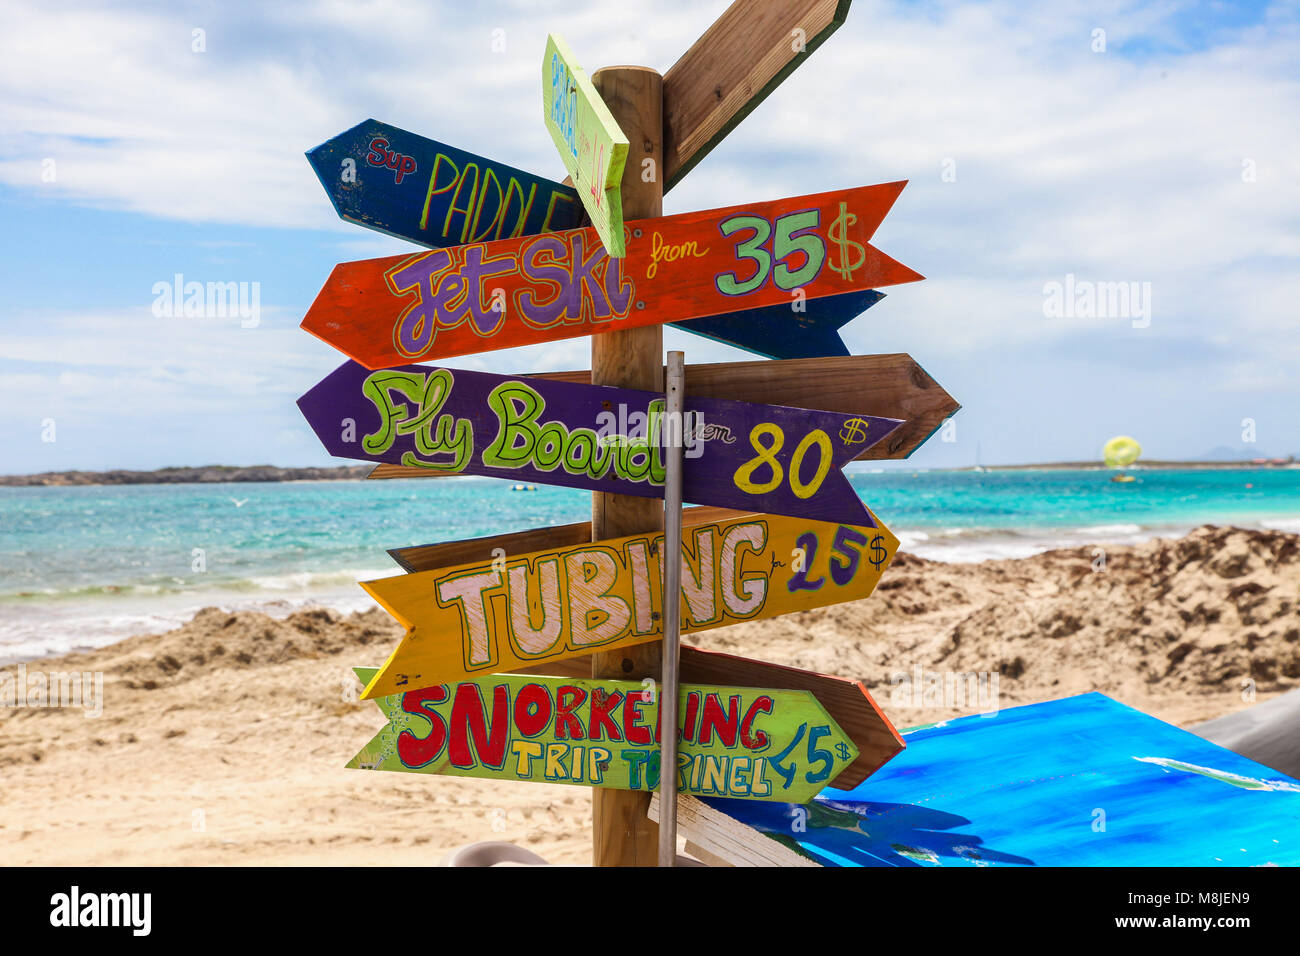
column 445, row 554
column 622, row 833
column 867, row 384
column 698, row 852
column 732, row 67
column 890, row 385
column 728, row 839
column 846, row 700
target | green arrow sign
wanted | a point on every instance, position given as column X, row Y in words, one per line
column 733, row 741
column 591, row 145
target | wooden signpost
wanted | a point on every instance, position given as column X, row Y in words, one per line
column 847, row 701
column 598, row 438
column 509, row 292
column 733, row 741
column 411, row 187
column 519, row 610
column 535, row 655
column 592, row 147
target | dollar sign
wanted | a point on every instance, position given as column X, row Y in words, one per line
column 877, row 548
column 843, row 750
column 839, row 234
column 854, row 431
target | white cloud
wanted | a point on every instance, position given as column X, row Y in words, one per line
column 1061, row 153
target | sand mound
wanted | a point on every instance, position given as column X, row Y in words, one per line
column 1182, row 628
column 245, row 640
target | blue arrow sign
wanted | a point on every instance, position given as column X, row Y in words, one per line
column 385, row 178
column 779, row 332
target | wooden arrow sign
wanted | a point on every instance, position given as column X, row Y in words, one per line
column 592, row 147
column 891, row 386
column 517, row 611
column 737, row 742
column 385, row 178
column 431, row 557
column 732, row 68
column 598, row 438
column 847, row 701
column 485, row 296
column 781, row 332
column 411, row 187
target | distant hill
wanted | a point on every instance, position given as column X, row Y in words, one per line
column 212, row 474
column 1145, row 463
column 1242, row 453
column 206, row 474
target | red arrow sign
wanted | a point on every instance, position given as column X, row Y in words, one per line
column 486, row 296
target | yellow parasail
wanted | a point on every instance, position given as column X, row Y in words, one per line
column 1121, row 451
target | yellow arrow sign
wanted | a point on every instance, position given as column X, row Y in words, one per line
column 520, row 610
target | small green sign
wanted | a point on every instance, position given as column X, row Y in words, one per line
column 591, row 145
column 739, row 742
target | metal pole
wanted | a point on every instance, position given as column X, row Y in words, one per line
column 672, row 604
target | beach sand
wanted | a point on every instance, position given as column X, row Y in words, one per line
column 223, row 742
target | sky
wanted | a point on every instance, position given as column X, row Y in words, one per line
column 1047, row 146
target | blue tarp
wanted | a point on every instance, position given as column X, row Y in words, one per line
column 1082, row 781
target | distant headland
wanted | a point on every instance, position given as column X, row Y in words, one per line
column 205, row 474
column 1143, row 465
column 212, row 474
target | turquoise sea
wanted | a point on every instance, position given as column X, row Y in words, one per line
column 84, row 566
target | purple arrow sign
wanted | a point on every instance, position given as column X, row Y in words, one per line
column 740, row 455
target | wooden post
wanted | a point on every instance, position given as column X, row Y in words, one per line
column 622, row 834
